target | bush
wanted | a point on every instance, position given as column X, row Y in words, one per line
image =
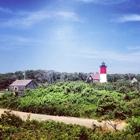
column 75, row 99
column 10, row 119
column 134, row 125
column 50, row 130
column 105, row 105
column 7, row 95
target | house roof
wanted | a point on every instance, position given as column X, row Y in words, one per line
column 95, row 76
column 21, row 83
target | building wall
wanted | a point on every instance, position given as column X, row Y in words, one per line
column 32, row 85
column 103, row 78
column 96, row 80
column 90, row 79
column 19, row 88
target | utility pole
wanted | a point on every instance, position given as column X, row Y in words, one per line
column 129, row 76
column 24, row 74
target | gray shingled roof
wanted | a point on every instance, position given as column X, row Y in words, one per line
column 21, row 83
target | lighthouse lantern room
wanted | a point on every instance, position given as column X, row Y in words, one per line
column 103, row 73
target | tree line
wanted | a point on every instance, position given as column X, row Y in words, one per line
column 51, row 76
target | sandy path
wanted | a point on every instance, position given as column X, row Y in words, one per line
column 68, row 120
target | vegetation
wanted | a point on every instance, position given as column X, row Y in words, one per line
column 66, row 94
column 13, row 127
column 78, row 99
column 50, row 77
column 40, row 76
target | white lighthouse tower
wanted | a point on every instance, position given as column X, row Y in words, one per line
column 103, row 73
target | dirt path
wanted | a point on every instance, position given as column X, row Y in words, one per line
column 68, row 120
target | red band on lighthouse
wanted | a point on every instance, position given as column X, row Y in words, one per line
column 102, row 70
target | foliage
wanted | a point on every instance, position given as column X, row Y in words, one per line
column 10, row 119
column 105, row 104
column 134, row 125
column 77, row 99
column 122, row 86
column 41, row 77
column 13, row 128
column 51, row 77
column 6, row 80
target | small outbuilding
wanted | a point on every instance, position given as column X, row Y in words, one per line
column 21, row 85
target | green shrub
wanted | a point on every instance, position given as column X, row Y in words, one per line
column 50, row 130
column 7, row 95
column 76, row 99
column 10, row 119
column 134, row 125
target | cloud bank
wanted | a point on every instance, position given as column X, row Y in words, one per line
column 129, row 18
column 27, row 19
column 105, row 2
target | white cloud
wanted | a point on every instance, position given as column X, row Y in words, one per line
column 105, row 2
column 128, row 18
column 27, row 19
column 87, row 1
column 67, row 15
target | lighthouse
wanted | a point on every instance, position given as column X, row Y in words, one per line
column 103, row 73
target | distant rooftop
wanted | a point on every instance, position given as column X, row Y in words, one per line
column 21, row 83
column 95, row 76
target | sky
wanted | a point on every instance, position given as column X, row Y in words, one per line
column 70, row 35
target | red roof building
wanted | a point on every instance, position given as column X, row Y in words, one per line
column 93, row 77
column 102, row 77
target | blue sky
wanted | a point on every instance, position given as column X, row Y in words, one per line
column 70, row 35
